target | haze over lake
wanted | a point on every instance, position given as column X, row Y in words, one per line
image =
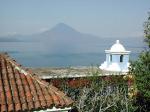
column 63, row 46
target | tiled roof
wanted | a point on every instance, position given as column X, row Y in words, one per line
column 22, row 91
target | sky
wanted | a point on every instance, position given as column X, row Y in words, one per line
column 103, row 18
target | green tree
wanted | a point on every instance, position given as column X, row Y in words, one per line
column 147, row 32
column 141, row 69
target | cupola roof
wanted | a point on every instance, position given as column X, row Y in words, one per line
column 117, row 48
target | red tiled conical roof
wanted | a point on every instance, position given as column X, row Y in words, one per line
column 22, row 91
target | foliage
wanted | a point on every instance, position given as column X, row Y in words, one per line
column 147, row 31
column 141, row 70
column 101, row 97
column 104, row 94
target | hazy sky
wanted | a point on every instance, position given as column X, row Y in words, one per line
column 104, row 18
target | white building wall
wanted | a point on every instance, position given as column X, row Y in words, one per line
column 107, row 58
column 115, row 65
column 116, row 59
column 126, row 62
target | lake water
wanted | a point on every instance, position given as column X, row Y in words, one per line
column 32, row 54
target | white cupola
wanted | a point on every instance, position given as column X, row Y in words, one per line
column 117, row 59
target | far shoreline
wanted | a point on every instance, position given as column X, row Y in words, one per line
column 58, row 71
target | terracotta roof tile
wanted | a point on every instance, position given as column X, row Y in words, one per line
column 22, row 91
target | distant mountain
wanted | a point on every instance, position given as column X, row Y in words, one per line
column 66, row 33
column 64, row 39
column 10, row 38
column 62, row 28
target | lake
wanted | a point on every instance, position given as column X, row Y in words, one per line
column 36, row 54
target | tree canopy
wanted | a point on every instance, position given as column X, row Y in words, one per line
column 141, row 69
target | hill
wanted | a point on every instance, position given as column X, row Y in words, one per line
column 62, row 39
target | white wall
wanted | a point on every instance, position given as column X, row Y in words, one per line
column 116, row 59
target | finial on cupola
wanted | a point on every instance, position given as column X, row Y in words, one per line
column 117, row 41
